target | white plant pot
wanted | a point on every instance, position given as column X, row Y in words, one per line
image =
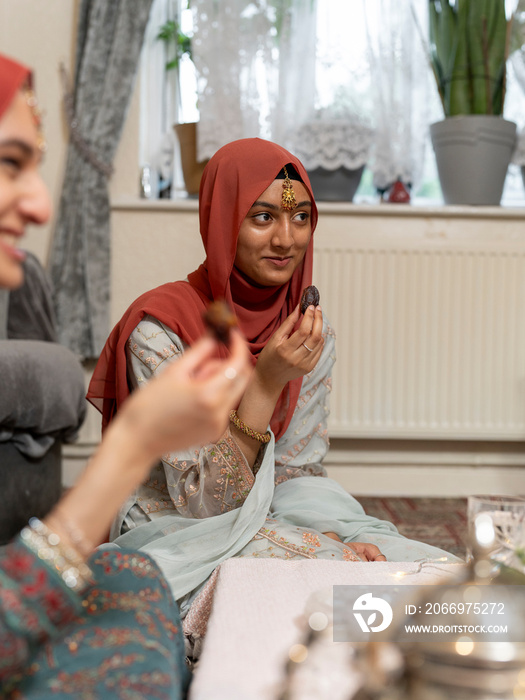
column 473, row 153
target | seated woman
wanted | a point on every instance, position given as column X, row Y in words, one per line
column 75, row 622
column 261, row 490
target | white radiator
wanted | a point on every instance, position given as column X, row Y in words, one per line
column 430, row 336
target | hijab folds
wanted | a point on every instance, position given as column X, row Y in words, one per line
column 232, row 181
column 12, row 76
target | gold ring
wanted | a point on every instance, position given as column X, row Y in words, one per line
column 306, row 346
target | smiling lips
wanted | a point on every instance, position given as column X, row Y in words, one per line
column 8, row 243
column 280, row 262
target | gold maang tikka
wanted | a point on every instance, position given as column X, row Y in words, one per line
column 36, row 113
column 288, row 200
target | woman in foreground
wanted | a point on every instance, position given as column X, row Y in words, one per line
column 261, row 490
column 74, row 621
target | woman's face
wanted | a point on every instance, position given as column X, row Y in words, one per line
column 23, row 196
column 273, row 241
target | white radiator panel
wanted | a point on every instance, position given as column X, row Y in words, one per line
column 430, row 341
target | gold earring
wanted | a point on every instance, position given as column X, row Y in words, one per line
column 36, row 113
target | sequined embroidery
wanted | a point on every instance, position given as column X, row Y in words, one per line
column 234, row 477
column 302, row 550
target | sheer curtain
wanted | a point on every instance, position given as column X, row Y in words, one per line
column 337, row 82
column 337, row 129
column 403, row 95
column 514, row 100
column 255, row 61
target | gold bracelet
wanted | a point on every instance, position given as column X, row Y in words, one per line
column 250, row 432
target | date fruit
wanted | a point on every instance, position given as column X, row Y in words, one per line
column 310, row 297
column 220, row 319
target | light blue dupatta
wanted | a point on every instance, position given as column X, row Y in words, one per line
column 325, row 506
column 188, row 550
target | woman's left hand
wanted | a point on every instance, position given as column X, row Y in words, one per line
column 367, row 552
column 288, row 354
column 291, row 354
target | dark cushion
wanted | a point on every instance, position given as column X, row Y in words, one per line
column 29, row 486
column 42, row 394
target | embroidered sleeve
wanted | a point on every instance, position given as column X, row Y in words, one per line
column 199, row 483
column 34, row 606
column 301, row 450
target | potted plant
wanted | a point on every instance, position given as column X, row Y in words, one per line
column 469, row 42
column 178, row 45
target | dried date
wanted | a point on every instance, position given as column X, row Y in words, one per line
column 220, row 319
column 310, row 297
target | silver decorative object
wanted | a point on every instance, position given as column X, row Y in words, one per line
column 460, row 666
column 463, row 667
column 146, row 187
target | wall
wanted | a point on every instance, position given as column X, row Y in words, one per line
column 41, row 34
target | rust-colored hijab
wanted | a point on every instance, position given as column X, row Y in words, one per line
column 232, row 181
column 12, row 76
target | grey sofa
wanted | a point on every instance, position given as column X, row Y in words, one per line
column 42, row 402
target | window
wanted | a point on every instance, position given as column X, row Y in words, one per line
column 369, row 61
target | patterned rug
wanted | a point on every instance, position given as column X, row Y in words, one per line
column 441, row 522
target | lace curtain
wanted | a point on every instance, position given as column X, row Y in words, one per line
column 254, row 60
column 337, row 83
column 403, row 95
column 514, row 107
column 337, row 129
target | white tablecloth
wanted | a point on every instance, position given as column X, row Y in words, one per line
column 257, row 616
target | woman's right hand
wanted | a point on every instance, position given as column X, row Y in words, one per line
column 187, row 404
column 291, row 354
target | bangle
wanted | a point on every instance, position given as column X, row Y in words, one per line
column 66, row 561
column 81, row 544
column 240, row 425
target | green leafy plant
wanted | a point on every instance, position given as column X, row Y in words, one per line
column 469, row 44
column 177, row 43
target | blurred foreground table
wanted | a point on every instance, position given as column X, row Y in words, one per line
column 257, row 616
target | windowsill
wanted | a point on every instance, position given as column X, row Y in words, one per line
column 346, row 208
column 130, row 203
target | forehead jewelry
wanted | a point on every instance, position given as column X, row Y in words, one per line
column 36, row 113
column 288, row 200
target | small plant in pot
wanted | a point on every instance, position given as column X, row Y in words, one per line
column 469, row 43
column 178, row 53
column 178, row 45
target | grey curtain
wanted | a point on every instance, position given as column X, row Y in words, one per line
column 110, row 35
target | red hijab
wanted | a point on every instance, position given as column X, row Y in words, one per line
column 12, row 76
column 232, row 181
